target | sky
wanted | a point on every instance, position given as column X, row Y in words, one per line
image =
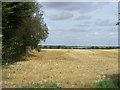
column 81, row 23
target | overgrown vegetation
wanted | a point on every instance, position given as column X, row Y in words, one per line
column 101, row 84
column 7, row 66
column 108, row 84
column 44, row 85
column 23, row 27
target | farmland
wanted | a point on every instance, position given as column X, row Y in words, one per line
column 68, row 67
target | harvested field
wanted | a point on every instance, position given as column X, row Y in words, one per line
column 70, row 67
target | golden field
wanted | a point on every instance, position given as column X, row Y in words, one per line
column 62, row 65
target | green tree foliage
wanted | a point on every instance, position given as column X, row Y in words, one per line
column 50, row 47
column 64, row 47
column 39, row 47
column 58, row 47
column 45, row 47
column 23, row 27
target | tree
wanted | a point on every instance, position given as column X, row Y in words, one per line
column 64, row 47
column 58, row 47
column 45, row 47
column 39, row 47
column 23, row 27
column 50, row 47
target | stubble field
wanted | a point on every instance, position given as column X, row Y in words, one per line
column 68, row 67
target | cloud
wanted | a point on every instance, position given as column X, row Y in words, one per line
column 96, row 33
column 60, row 16
column 105, row 22
column 82, row 25
column 113, row 34
column 94, row 23
column 83, row 17
column 83, row 7
column 55, row 29
column 70, row 30
column 93, row 34
column 79, row 29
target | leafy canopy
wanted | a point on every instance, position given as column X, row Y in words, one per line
column 22, row 27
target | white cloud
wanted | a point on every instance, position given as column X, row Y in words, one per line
column 60, row 16
column 83, row 17
column 83, row 29
column 82, row 25
column 88, row 30
column 83, row 7
column 96, row 33
column 105, row 22
column 113, row 34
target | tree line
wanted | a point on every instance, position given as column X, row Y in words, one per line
column 52, row 47
column 66, row 47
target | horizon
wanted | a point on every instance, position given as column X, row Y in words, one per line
column 79, row 46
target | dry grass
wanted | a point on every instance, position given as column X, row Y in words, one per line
column 72, row 68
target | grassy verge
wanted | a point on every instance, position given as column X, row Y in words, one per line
column 108, row 84
column 44, row 85
column 6, row 66
column 103, row 84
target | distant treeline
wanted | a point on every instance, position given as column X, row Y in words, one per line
column 74, row 47
column 53, row 47
column 96, row 47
